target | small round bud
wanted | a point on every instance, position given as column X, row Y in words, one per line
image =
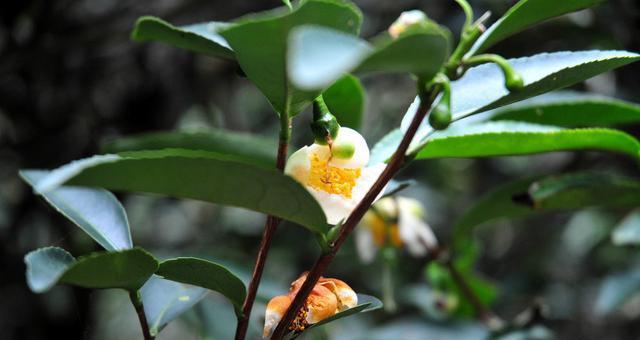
column 440, row 117
column 325, row 129
column 514, row 81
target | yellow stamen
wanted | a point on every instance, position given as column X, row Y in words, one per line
column 332, row 179
column 382, row 231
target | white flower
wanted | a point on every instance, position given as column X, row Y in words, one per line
column 397, row 222
column 405, row 20
column 336, row 175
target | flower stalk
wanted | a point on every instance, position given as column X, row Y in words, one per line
column 396, row 162
column 270, row 227
column 136, row 300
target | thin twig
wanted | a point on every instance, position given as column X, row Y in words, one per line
column 270, row 227
column 325, row 259
column 137, row 304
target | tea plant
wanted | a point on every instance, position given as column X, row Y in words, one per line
column 306, row 55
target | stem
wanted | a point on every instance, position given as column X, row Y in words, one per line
column 392, row 168
column 270, row 227
column 513, row 81
column 137, row 304
column 388, row 297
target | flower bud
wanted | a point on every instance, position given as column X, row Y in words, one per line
column 406, row 19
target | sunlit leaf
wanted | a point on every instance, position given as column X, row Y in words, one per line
column 516, row 138
column 96, row 211
column 615, row 290
column 128, row 269
column 165, row 300
column 628, row 231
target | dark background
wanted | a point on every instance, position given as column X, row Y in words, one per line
column 70, row 79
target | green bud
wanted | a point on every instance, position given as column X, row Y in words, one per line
column 343, row 150
column 325, row 125
column 513, row 81
column 440, row 117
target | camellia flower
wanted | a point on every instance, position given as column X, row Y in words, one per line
column 405, row 20
column 336, row 174
column 328, row 297
column 395, row 221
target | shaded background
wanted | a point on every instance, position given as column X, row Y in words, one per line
column 70, row 79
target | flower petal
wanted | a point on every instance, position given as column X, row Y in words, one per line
column 360, row 158
column 415, row 233
column 275, row 310
column 322, row 303
column 365, row 245
column 347, row 298
column 298, row 165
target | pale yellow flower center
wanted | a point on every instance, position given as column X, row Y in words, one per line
column 333, row 180
column 382, row 232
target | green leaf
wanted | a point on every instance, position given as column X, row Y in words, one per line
column 628, row 231
column 96, row 211
column 385, row 147
column 513, row 138
column 570, row 109
column 200, row 38
column 165, row 300
column 45, row 266
column 524, row 14
column 260, row 44
column 251, row 149
column 615, row 290
column 345, row 99
column 319, row 56
column 482, row 87
column 128, row 269
column 366, row 303
column 205, row 274
column 197, row 175
column 545, row 194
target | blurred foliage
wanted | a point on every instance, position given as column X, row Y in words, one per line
column 70, row 80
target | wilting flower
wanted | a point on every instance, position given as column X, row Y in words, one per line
column 406, row 19
column 328, row 297
column 336, row 174
column 394, row 221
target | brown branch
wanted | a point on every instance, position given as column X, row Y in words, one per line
column 270, row 227
column 325, row 259
column 137, row 304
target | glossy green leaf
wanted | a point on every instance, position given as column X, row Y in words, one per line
column 319, row 56
column 260, row 44
column 346, row 99
column 251, row 149
column 165, row 300
column 45, row 266
column 96, row 211
column 385, row 147
column 524, row 14
column 197, row 175
column 482, row 87
column 628, row 231
column 366, row 303
column 514, row 138
column 128, row 269
column 200, row 38
column 570, row 109
column 615, row 290
column 206, row 274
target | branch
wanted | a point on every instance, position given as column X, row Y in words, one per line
column 270, row 227
column 325, row 259
column 137, row 304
